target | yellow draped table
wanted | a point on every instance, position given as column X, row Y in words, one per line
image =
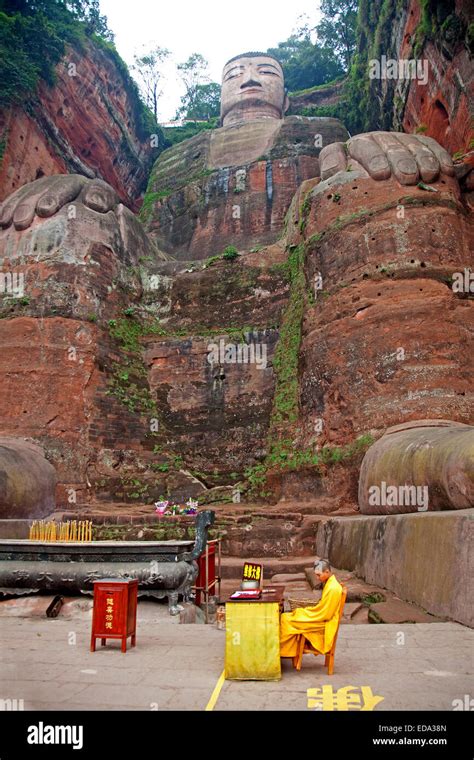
column 252, row 645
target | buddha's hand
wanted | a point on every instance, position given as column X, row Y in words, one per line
column 48, row 195
column 407, row 158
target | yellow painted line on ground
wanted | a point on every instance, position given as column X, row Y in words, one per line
column 217, row 690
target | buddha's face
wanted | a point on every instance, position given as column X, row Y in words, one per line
column 251, row 88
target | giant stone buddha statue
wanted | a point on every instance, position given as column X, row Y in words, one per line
column 263, row 182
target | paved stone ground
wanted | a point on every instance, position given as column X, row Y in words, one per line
column 47, row 663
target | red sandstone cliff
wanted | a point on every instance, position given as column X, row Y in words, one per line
column 441, row 107
column 89, row 122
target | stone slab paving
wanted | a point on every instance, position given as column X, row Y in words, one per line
column 398, row 611
column 47, row 663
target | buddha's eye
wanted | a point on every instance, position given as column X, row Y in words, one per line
column 265, row 71
column 234, row 73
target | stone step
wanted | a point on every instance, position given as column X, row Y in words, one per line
column 351, row 609
column 397, row 611
column 361, row 617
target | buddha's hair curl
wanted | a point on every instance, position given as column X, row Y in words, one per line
column 253, row 54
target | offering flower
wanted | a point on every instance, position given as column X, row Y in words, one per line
column 161, row 507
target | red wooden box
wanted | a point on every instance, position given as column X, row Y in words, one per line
column 115, row 611
column 211, row 571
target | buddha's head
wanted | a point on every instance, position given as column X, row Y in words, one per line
column 253, row 87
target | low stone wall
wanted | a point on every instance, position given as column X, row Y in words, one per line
column 423, row 558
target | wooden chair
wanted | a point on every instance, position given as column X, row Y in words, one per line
column 304, row 646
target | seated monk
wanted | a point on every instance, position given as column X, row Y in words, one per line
column 305, row 620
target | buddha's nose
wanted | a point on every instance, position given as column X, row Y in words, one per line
column 250, row 82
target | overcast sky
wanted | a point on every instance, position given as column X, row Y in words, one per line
column 218, row 29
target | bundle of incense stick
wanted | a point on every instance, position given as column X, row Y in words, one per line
column 40, row 530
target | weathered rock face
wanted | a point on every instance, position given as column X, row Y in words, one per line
column 379, row 261
column 232, row 186
column 27, row 480
column 440, row 106
column 438, row 101
column 216, row 411
column 250, row 291
column 417, row 467
column 212, row 376
column 89, row 122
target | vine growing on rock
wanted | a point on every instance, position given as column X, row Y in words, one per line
column 128, row 382
column 282, row 455
column 365, row 106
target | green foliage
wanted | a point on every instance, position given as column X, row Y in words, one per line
column 129, row 387
column 126, row 331
column 33, row 37
column 203, row 101
column 134, row 488
column 304, row 63
column 230, row 253
column 211, row 260
column 304, row 212
column 284, row 457
column 30, row 47
column 128, row 382
column 161, row 467
column 282, row 454
column 285, row 361
column 88, row 11
column 336, row 30
column 470, row 38
column 202, row 98
column 175, row 135
column 365, row 105
column 145, row 121
column 318, row 87
column 256, row 477
column 307, row 64
column 149, row 200
column 333, row 111
column 148, row 69
column 374, row 598
column 129, row 330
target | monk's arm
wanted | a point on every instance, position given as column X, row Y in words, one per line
column 321, row 612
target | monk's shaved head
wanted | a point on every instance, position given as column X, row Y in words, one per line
column 322, row 566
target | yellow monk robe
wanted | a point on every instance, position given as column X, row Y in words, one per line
column 305, row 620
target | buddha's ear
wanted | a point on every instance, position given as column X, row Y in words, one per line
column 286, row 103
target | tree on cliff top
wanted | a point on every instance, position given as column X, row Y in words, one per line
column 203, row 103
column 148, row 69
column 314, row 55
column 337, row 28
column 305, row 64
column 194, row 75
